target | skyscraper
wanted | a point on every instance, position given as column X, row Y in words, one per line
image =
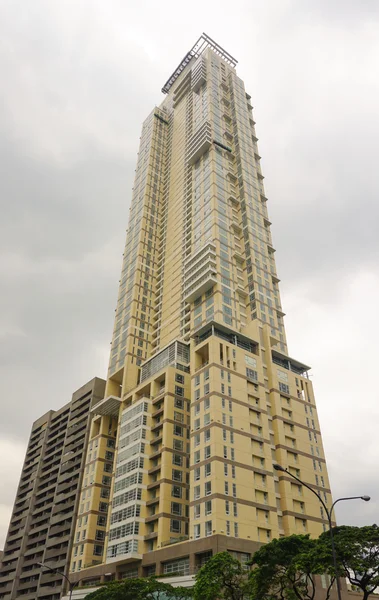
column 202, row 397
column 45, row 509
column 206, row 396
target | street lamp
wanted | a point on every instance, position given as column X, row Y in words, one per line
column 329, row 515
column 71, row 585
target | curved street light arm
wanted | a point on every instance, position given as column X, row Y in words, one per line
column 348, row 498
column 71, row 586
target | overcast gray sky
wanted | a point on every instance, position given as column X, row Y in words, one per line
column 78, row 79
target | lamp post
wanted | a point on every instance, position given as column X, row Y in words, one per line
column 329, row 515
column 71, row 585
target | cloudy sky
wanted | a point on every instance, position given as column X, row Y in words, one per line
column 78, row 79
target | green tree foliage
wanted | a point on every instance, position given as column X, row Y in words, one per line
column 222, row 578
column 357, row 550
column 140, row 589
column 285, row 569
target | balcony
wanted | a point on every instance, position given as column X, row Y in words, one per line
column 109, row 406
column 200, row 142
column 200, row 272
column 198, row 74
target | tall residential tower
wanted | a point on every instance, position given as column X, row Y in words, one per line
column 44, row 513
column 206, row 397
column 201, row 397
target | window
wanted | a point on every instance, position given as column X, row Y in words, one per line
column 230, row 421
column 197, row 424
column 207, row 435
column 235, row 509
column 235, row 529
column 207, row 469
column 177, row 460
column 230, row 406
column 196, row 492
column 180, row 565
column 197, row 396
column 234, row 490
column 196, row 474
column 176, row 491
column 208, row 488
column 232, row 453
column 226, row 486
column 207, row 452
column 227, row 507
column 224, row 435
column 206, row 375
column 208, row 528
column 227, row 527
column 283, row 387
column 225, row 469
column 207, row 419
column 229, row 390
column 178, row 444
column 196, row 531
column 225, row 452
column 179, row 391
column 175, row 526
column 206, row 389
column 207, row 403
column 178, row 430
column 197, row 456
column 231, row 437
column 177, row 475
column 179, row 403
column 196, row 440
column 208, row 507
column 176, row 508
column 197, row 380
column 252, row 375
column 196, row 511
column 197, row 407
column 233, row 472
column 179, row 378
column 98, row 550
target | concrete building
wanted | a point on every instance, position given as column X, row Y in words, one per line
column 45, row 509
column 202, row 397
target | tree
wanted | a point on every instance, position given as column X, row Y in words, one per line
column 357, row 550
column 221, row 578
column 139, row 589
column 285, row 568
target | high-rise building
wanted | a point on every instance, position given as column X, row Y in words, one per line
column 200, row 382
column 45, row 509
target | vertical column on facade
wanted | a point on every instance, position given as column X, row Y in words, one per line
column 135, row 312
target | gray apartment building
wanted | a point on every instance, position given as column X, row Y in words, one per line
column 45, row 508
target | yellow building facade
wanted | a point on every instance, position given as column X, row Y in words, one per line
column 202, row 397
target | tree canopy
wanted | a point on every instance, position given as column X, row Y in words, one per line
column 357, row 550
column 222, row 578
column 140, row 589
column 285, row 568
